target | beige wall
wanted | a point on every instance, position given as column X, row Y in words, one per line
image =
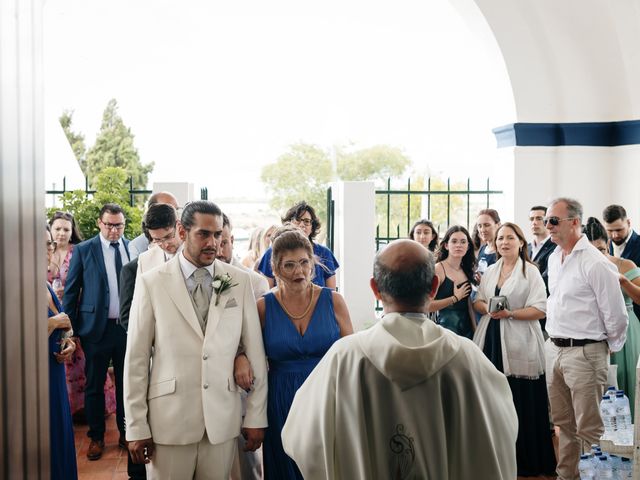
column 24, row 382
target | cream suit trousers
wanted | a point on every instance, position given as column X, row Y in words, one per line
column 197, row 461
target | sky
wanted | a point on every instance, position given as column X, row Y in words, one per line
column 213, row 91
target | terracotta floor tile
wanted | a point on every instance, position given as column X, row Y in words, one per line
column 98, row 476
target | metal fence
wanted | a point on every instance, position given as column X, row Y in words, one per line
column 387, row 230
column 204, row 192
column 473, row 200
column 132, row 191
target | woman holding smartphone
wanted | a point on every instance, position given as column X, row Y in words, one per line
column 455, row 275
column 510, row 336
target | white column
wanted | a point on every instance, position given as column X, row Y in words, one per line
column 354, row 247
column 183, row 191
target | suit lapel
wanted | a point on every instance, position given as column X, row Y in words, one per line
column 216, row 311
column 548, row 246
column 96, row 250
column 125, row 242
column 176, row 289
column 630, row 249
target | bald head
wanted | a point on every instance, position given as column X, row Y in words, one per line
column 403, row 274
column 163, row 197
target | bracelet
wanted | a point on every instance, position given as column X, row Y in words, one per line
column 457, row 299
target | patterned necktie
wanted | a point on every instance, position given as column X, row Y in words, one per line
column 199, row 294
column 116, row 248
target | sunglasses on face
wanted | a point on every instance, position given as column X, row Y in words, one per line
column 555, row 221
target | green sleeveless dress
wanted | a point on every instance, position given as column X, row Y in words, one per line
column 627, row 358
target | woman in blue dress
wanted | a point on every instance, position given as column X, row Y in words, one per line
column 63, row 451
column 304, row 217
column 300, row 322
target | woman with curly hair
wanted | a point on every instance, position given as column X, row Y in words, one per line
column 303, row 216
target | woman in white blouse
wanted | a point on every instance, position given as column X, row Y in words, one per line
column 512, row 339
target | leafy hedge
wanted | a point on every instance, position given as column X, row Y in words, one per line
column 111, row 186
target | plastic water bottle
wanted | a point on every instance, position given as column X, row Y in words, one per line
column 586, row 468
column 625, row 471
column 614, row 460
column 608, row 413
column 611, row 392
column 623, row 419
column 604, row 471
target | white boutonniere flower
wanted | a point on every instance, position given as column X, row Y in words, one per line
column 220, row 284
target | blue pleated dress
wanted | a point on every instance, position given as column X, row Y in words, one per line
column 292, row 357
column 63, row 450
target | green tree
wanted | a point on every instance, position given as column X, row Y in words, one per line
column 111, row 187
column 114, row 148
column 76, row 139
column 395, row 218
column 304, row 172
column 374, row 163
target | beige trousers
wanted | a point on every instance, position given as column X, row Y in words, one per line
column 576, row 377
column 197, row 461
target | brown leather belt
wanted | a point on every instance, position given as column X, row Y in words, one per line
column 572, row 342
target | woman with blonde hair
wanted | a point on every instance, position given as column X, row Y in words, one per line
column 300, row 321
column 253, row 252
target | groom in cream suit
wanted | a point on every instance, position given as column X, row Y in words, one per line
column 182, row 404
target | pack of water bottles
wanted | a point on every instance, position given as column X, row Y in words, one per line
column 599, row 465
column 616, row 416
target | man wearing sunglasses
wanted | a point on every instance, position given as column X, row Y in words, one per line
column 586, row 319
column 91, row 299
column 625, row 243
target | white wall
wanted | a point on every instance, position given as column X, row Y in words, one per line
column 570, row 60
column 354, row 247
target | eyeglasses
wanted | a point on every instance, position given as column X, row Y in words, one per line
column 51, row 245
column 555, row 221
column 290, row 266
column 165, row 239
column 113, row 226
column 305, row 221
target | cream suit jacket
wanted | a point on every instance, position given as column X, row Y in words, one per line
column 150, row 259
column 177, row 381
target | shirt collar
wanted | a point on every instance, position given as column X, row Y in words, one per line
column 537, row 245
column 582, row 243
column 107, row 243
column 618, row 249
column 188, row 268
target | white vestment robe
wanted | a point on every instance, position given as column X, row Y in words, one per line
column 405, row 399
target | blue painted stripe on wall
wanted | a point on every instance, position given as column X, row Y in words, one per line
column 592, row 134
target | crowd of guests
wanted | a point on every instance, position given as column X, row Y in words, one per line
column 231, row 341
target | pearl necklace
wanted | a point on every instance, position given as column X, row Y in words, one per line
column 289, row 314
